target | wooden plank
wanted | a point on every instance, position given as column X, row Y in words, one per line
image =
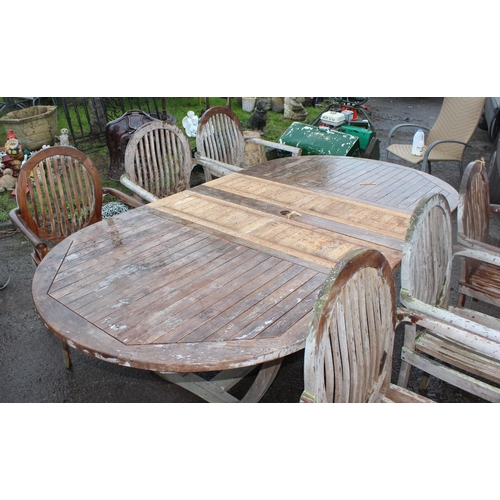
column 398, row 394
column 353, row 177
column 128, row 295
column 133, row 269
column 459, row 356
column 241, row 241
column 286, row 235
column 158, row 326
column 452, row 376
column 170, row 238
column 136, row 305
column 249, row 315
column 347, row 213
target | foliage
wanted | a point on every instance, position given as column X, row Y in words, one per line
column 276, row 124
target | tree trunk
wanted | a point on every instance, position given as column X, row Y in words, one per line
column 98, row 118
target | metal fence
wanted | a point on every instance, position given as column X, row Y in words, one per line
column 87, row 117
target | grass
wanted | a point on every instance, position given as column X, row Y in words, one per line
column 178, row 108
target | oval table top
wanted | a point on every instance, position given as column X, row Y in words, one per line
column 224, row 275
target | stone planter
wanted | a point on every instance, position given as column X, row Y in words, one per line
column 35, row 126
column 248, row 104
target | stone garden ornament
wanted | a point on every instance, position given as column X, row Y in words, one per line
column 7, row 181
column 294, row 110
column 190, row 124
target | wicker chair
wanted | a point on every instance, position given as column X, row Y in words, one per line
column 447, row 138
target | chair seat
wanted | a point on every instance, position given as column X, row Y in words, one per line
column 397, row 394
column 457, row 355
column 404, row 152
column 485, row 279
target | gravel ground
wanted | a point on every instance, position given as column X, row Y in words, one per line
column 30, row 357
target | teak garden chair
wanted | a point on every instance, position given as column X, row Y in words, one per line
column 220, row 143
column 348, row 354
column 448, row 137
column 158, row 161
column 454, row 344
column 479, row 280
column 59, row 192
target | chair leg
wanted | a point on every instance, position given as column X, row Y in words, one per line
column 424, row 384
column 410, row 333
column 404, row 374
column 208, row 174
column 66, row 355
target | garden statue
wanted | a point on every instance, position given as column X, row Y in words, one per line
column 190, row 124
column 294, row 110
column 14, row 150
column 64, row 138
column 7, row 162
column 7, row 181
column 259, row 117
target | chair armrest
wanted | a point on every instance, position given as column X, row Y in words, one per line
column 452, row 327
column 217, row 168
column 434, row 144
column 473, row 249
column 41, row 248
column 276, row 145
column 402, row 125
column 138, row 190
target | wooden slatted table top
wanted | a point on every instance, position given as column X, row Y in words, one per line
column 224, row 275
column 371, row 181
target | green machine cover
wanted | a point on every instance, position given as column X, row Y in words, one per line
column 320, row 140
column 365, row 135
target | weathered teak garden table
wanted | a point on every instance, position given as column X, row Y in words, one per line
column 223, row 277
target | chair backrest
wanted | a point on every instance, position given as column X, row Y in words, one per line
column 158, row 159
column 59, row 192
column 220, row 136
column 473, row 214
column 348, row 354
column 457, row 120
column 428, row 253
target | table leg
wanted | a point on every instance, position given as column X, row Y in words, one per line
column 199, row 386
column 265, row 378
column 215, row 389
